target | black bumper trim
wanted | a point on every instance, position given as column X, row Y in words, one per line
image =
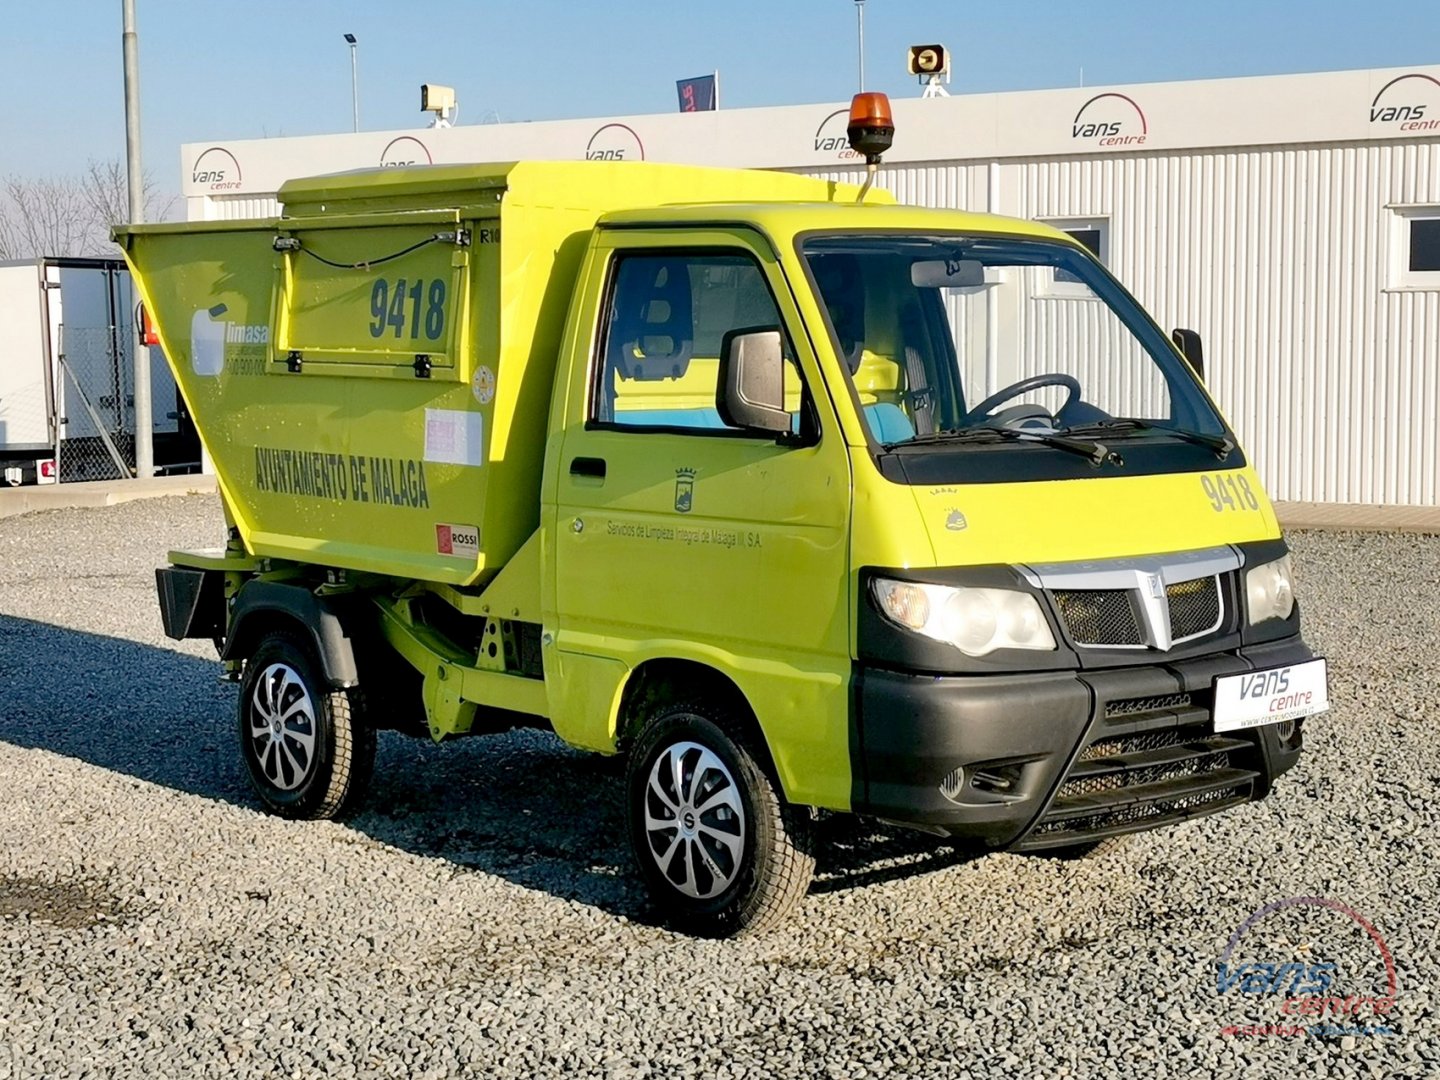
column 1083, row 755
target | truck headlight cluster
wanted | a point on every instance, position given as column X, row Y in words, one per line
column 1270, row 591
column 975, row 621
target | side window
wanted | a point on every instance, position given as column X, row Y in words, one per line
column 667, row 317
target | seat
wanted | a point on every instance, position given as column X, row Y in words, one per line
column 888, row 422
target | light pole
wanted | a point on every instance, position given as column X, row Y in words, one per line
column 354, row 84
column 860, row 25
column 135, row 182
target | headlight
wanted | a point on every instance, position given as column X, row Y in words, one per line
column 975, row 621
column 1270, row 591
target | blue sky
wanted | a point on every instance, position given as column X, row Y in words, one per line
column 253, row 68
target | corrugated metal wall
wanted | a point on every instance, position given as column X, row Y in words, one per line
column 236, row 207
column 1284, row 258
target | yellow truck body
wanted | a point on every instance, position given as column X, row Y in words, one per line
column 641, row 452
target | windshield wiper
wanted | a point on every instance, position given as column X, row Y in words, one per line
column 1098, row 453
column 1122, row 425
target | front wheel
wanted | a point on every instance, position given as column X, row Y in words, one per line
column 308, row 753
column 720, row 850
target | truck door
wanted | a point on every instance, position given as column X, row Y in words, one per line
column 679, row 536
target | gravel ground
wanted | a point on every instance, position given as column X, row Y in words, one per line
column 481, row 916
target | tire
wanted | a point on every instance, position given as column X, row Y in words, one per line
column 304, row 744
column 743, row 864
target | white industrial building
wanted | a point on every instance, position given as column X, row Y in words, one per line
column 1293, row 220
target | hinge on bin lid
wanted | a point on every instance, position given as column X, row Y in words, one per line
column 422, row 366
column 293, row 360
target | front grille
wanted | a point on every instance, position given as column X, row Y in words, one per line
column 1194, row 607
column 1099, row 616
column 1112, row 618
column 1155, row 703
column 1124, row 783
column 1139, row 816
column 1130, row 744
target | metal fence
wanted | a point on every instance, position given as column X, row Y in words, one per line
column 94, row 395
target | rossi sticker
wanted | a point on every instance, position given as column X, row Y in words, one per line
column 461, row 541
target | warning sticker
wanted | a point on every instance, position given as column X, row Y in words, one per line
column 462, row 541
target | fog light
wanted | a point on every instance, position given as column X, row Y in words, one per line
column 953, row 785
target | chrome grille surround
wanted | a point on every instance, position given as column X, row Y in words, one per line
column 1171, row 598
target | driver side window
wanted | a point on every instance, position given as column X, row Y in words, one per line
column 665, row 319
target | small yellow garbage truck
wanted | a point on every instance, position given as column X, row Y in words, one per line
column 799, row 499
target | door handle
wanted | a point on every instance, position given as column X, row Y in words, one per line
column 588, row 466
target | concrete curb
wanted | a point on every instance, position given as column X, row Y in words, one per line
column 1359, row 517
column 25, row 500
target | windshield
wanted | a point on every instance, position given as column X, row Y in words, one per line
column 965, row 338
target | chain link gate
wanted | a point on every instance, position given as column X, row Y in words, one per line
column 95, row 421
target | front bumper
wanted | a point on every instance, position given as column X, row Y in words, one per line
column 1058, row 758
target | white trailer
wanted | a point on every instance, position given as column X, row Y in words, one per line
column 67, row 341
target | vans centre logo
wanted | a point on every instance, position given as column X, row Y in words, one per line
column 216, row 170
column 1409, row 103
column 615, row 142
column 405, row 150
column 831, row 138
column 1307, row 966
column 1110, row 119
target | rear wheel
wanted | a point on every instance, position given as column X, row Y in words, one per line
column 308, row 753
column 720, row 849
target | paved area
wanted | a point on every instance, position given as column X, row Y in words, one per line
column 1359, row 516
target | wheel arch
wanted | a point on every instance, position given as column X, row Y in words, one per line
column 661, row 681
column 263, row 606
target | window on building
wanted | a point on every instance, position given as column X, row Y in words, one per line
column 1425, row 245
column 1094, row 235
column 1414, row 247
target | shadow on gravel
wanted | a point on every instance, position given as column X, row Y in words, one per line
column 521, row 806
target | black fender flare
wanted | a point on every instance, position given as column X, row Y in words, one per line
column 327, row 619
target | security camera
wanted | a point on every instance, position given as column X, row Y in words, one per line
column 929, row 60
column 436, row 98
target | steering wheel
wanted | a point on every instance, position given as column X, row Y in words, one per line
column 1024, row 386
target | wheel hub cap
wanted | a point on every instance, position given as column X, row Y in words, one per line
column 694, row 820
column 282, row 728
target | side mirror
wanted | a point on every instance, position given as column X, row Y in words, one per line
column 750, row 393
column 1189, row 344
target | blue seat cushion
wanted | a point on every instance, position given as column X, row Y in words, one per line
column 888, row 422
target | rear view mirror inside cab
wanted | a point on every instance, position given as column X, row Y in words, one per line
column 947, row 273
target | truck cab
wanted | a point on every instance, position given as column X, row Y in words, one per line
column 800, row 500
